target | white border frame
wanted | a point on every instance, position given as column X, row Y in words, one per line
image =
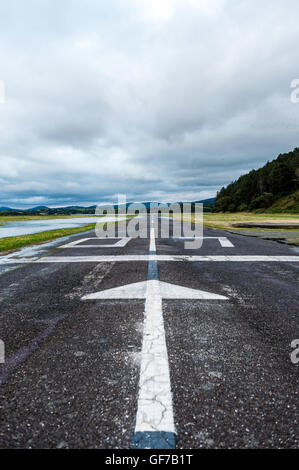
column 120, row 244
column 224, row 241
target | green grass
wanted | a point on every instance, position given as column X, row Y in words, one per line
column 13, row 243
column 9, row 244
column 225, row 220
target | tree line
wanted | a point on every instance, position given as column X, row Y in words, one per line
column 260, row 189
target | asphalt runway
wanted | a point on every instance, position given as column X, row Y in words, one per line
column 148, row 345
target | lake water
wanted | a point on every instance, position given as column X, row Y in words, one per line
column 14, row 229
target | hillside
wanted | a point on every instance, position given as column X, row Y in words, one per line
column 79, row 210
column 288, row 203
column 272, row 188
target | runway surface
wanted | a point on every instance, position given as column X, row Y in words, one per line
column 133, row 343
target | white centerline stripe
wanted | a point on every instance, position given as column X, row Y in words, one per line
column 155, row 411
column 155, row 399
column 152, row 248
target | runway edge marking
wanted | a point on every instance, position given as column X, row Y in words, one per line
column 166, row 258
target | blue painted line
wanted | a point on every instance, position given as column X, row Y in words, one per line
column 153, row 273
column 154, row 440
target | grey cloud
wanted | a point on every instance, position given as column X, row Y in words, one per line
column 153, row 99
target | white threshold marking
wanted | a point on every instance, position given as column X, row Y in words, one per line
column 77, row 244
column 224, row 241
column 146, row 258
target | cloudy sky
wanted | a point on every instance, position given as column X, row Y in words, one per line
column 155, row 99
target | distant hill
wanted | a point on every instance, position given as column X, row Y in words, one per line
column 272, row 188
column 79, row 210
column 38, row 208
column 44, row 210
column 33, row 209
column 208, row 202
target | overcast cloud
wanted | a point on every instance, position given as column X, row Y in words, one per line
column 157, row 99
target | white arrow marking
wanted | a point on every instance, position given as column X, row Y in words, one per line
column 130, row 291
column 139, row 290
column 155, row 412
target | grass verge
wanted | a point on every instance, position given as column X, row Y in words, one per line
column 9, row 244
column 226, row 220
column 13, row 243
